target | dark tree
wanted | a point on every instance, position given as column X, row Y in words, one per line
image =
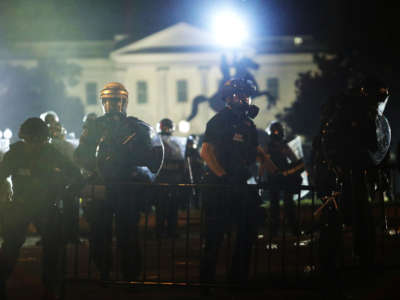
column 312, row 90
column 361, row 38
column 28, row 92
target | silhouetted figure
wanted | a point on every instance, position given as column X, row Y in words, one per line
column 57, row 135
column 353, row 142
column 50, row 117
column 194, row 169
column 39, row 175
column 280, row 182
column 172, row 171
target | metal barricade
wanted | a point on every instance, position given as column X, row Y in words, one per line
column 175, row 257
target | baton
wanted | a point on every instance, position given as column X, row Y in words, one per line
column 328, row 199
column 191, row 175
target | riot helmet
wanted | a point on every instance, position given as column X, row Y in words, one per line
column 191, row 141
column 89, row 117
column 34, row 130
column 372, row 86
column 237, row 94
column 114, row 98
column 49, row 117
column 276, row 131
column 376, row 92
column 191, row 145
column 166, row 126
column 239, row 87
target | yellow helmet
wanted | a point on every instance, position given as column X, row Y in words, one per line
column 114, row 97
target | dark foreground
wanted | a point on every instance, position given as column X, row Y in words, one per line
column 385, row 284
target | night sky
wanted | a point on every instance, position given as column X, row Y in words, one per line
column 370, row 27
column 99, row 19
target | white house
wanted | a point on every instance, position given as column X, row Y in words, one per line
column 164, row 71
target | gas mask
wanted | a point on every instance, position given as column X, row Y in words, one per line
column 243, row 106
column 253, row 111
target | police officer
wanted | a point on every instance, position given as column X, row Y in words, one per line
column 89, row 120
column 39, row 175
column 354, row 140
column 171, row 172
column 49, row 117
column 230, row 146
column 89, row 117
column 118, row 149
column 194, row 169
column 282, row 156
column 57, row 134
column 196, row 162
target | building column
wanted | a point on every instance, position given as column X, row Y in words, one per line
column 163, row 93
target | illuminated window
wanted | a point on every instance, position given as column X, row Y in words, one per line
column 273, row 87
column 182, row 90
column 91, row 93
column 141, row 88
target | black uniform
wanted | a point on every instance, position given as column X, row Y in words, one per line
column 280, row 153
column 118, row 149
column 39, row 177
column 235, row 141
column 194, row 172
column 353, row 141
column 168, row 199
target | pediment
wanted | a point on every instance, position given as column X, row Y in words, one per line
column 180, row 37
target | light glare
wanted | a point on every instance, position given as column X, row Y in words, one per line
column 229, row 29
column 184, row 126
column 7, row 134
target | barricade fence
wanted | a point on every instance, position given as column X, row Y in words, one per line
column 178, row 234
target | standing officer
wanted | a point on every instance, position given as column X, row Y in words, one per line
column 49, row 117
column 171, row 172
column 57, row 134
column 283, row 158
column 39, row 175
column 353, row 142
column 230, row 146
column 194, row 169
column 118, row 149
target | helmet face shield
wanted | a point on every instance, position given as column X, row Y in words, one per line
column 114, row 105
column 114, row 98
column 242, row 97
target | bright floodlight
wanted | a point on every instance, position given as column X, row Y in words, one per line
column 7, row 134
column 1, row 134
column 184, row 126
column 229, row 29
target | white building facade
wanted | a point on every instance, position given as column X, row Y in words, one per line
column 165, row 71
